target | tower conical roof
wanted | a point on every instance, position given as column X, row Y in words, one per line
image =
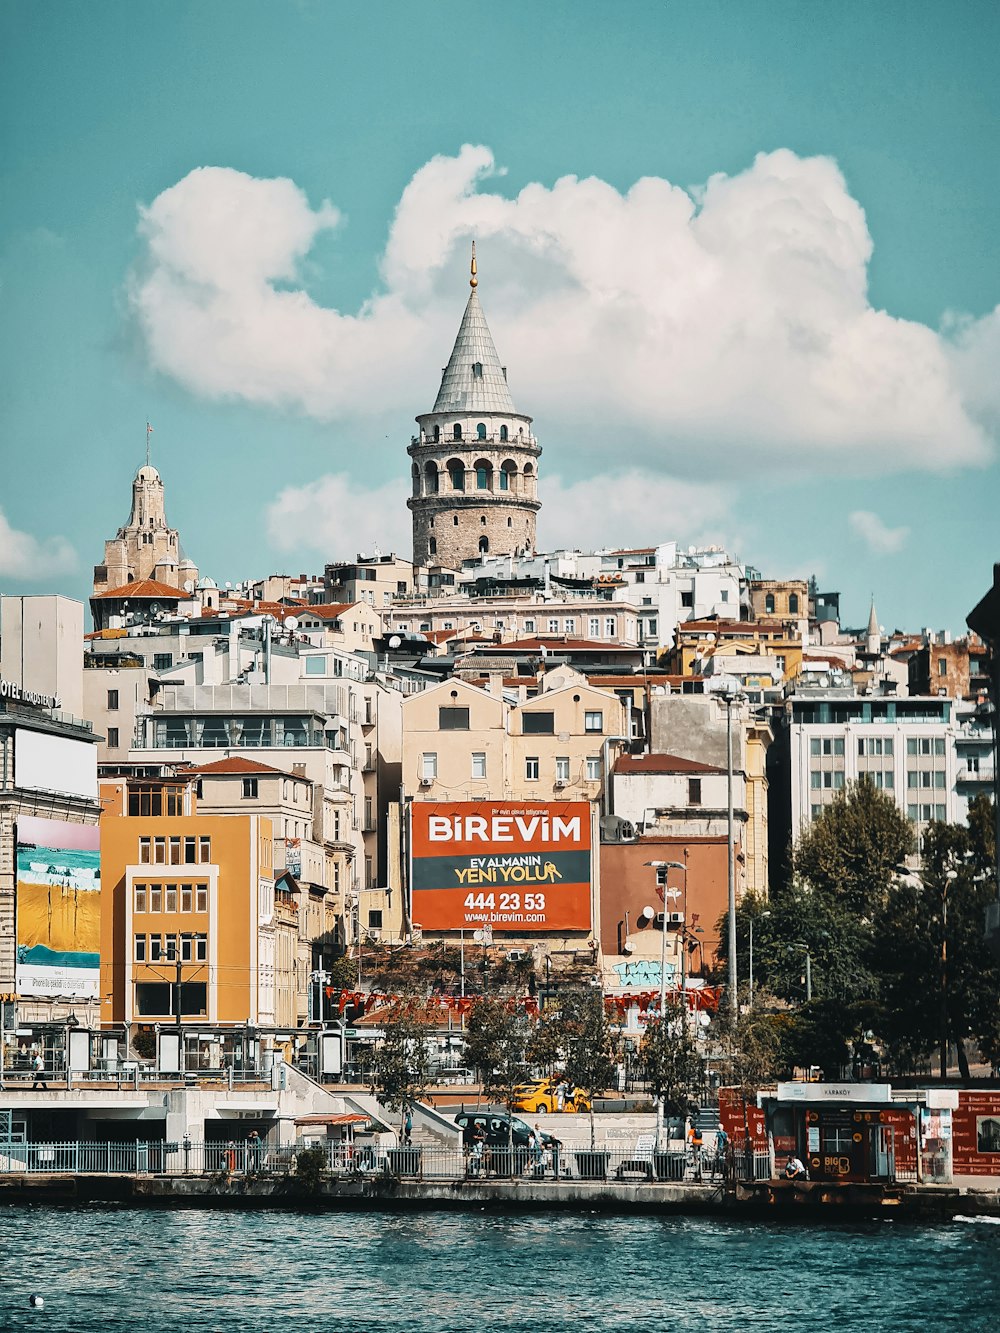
column 873, row 620
column 473, row 380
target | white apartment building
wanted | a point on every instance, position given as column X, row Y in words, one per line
column 916, row 749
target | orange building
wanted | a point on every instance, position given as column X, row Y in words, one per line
column 187, row 910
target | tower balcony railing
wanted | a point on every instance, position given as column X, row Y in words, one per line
column 496, row 440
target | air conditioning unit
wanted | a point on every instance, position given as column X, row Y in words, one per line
column 675, row 918
column 518, row 955
column 426, row 782
column 560, row 784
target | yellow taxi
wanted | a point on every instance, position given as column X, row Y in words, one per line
column 548, row 1095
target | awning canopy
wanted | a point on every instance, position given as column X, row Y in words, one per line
column 320, row 1119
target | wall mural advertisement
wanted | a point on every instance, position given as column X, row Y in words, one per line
column 58, row 908
column 517, row 866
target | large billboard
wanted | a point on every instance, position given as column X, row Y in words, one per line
column 58, row 908
column 516, row 866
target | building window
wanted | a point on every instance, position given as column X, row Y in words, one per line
column 593, row 721
column 186, row 894
column 249, row 789
column 432, row 546
column 724, row 595
column 481, row 426
column 769, row 604
column 793, row 603
column 569, row 626
column 593, row 768
column 456, row 433
column 477, row 374
column 826, row 745
column 112, row 700
column 453, row 719
column 529, row 627
column 925, row 745
column 315, row 666
column 170, row 899
column 562, row 768
column 504, row 433
column 112, row 738
column 610, row 626
column 694, row 791
column 478, row 763
column 484, row 545
column 538, row 724
column 553, row 625
column 156, row 898
column 156, row 948
column 162, row 661
column 140, row 898
column 144, row 851
column 201, row 897
column 687, row 600
column 428, row 767
column 375, row 918
column 942, row 668
column 140, row 948
column 482, row 478
column 593, row 626
column 531, row 768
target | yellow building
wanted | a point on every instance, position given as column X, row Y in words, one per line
column 187, row 911
column 697, row 642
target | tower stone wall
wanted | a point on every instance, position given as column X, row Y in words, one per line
column 474, row 470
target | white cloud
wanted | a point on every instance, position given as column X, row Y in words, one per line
column 881, row 539
column 619, row 509
column 23, row 556
column 338, row 518
column 731, row 320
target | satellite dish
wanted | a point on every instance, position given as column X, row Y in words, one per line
column 479, row 936
column 189, row 585
column 229, row 586
column 291, row 623
column 395, row 641
column 646, row 914
column 154, row 608
column 628, row 946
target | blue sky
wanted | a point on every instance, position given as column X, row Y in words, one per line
column 249, row 223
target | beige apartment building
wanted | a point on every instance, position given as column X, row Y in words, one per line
column 462, row 743
column 510, row 618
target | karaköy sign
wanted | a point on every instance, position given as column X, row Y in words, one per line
column 515, row 866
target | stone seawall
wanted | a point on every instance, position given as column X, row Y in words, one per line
column 767, row 1200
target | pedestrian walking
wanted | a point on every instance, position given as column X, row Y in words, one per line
column 38, row 1065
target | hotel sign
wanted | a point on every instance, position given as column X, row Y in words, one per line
column 9, row 689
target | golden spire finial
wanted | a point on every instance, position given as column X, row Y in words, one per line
column 473, row 281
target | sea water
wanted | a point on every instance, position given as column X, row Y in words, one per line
column 101, row 1269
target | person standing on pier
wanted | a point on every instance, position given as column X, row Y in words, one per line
column 38, row 1065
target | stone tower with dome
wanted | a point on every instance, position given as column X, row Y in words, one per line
column 475, row 460
column 145, row 548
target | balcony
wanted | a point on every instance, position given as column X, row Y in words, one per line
column 982, row 772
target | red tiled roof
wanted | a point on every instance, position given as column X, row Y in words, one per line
column 731, row 626
column 147, row 588
column 661, row 763
column 237, row 764
column 331, row 611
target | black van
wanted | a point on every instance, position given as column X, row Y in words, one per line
column 495, row 1130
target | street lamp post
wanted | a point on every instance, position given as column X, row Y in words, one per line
column 809, row 974
column 729, row 698
column 947, row 879
column 665, row 866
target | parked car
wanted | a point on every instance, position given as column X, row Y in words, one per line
column 495, row 1132
column 542, row 1096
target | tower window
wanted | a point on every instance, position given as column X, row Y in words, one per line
column 437, row 434
column 456, row 431
column 457, row 473
column 484, row 544
column 455, row 520
column 510, row 522
column 432, row 546
column 484, row 476
column 481, row 431
column 477, row 372
column 504, row 433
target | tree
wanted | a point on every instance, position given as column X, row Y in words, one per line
column 496, row 1042
column 748, row 1055
column 670, row 1062
column 401, row 1064
column 848, row 854
column 589, row 1044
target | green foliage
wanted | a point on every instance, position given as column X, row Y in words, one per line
column 497, row 1036
column 589, row 1044
column 670, row 1062
column 144, row 1044
column 310, row 1167
column 848, row 854
column 748, row 1048
column 401, row 1065
column 343, row 973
